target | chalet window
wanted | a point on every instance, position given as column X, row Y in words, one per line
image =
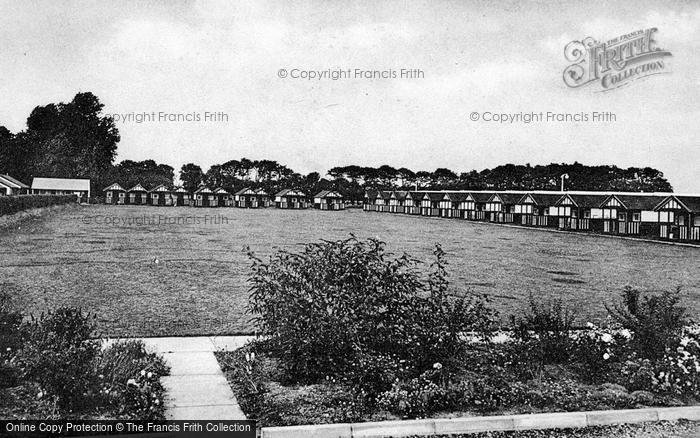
column 587, row 214
column 622, row 216
column 121, row 194
column 109, row 194
column 636, row 217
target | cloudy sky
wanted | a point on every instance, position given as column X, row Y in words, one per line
column 189, row 57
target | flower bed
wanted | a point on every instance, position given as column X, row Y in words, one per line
column 356, row 335
column 52, row 367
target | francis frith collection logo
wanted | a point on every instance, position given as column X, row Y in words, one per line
column 616, row 62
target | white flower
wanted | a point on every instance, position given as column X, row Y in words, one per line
column 437, row 365
column 143, row 372
column 626, row 333
column 40, row 394
column 149, row 375
column 590, row 325
column 252, row 356
column 607, row 338
column 9, row 349
column 131, row 382
column 606, row 356
column 156, row 401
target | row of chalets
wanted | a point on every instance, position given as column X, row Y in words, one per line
column 219, row 197
column 654, row 215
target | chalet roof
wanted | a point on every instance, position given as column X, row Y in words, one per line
column 137, row 188
column 113, row 187
column 328, row 194
column 637, row 202
column 261, row 191
column 458, row 196
column 541, row 199
column 181, row 190
column 221, row 191
column 290, row 192
column 203, row 189
column 689, row 203
column 160, row 189
column 400, row 194
column 415, row 195
column 481, row 196
column 386, row 194
column 11, row 182
column 245, row 191
column 506, row 198
column 585, row 201
column 67, row 184
column 434, row 196
column 371, row 194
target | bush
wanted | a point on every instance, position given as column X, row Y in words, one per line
column 14, row 204
column 344, row 309
column 10, row 340
column 129, row 380
column 598, row 351
column 655, row 321
column 544, row 332
column 58, row 354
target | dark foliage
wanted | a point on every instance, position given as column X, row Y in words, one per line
column 14, row 204
column 656, row 321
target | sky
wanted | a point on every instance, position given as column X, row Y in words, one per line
column 192, row 57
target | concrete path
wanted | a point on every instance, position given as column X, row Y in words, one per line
column 196, row 388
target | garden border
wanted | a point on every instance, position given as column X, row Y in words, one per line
column 467, row 425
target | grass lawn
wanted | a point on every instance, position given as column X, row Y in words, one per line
column 198, row 286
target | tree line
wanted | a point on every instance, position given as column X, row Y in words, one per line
column 75, row 140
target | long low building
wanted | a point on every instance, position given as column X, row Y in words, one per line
column 62, row 186
column 654, row 215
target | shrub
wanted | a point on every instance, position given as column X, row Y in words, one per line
column 544, row 332
column 129, row 380
column 59, row 354
column 597, row 351
column 417, row 397
column 346, row 309
column 10, row 340
column 655, row 321
column 14, row 204
column 679, row 370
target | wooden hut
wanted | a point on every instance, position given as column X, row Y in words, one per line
column 245, row 198
column 329, row 200
column 115, row 194
column 223, row 198
column 291, row 199
column 397, row 201
column 575, row 211
column 532, row 209
column 635, row 214
column 160, row 196
column 182, row 197
column 137, row 195
column 204, row 197
column 679, row 218
column 476, row 205
column 412, row 202
column 370, row 200
column 500, row 207
column 263, row 198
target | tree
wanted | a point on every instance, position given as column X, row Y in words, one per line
column 191, row 176
column 72, row 140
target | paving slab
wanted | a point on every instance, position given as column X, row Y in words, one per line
column 192, row 363
column 197, row 390
column 220, row 412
